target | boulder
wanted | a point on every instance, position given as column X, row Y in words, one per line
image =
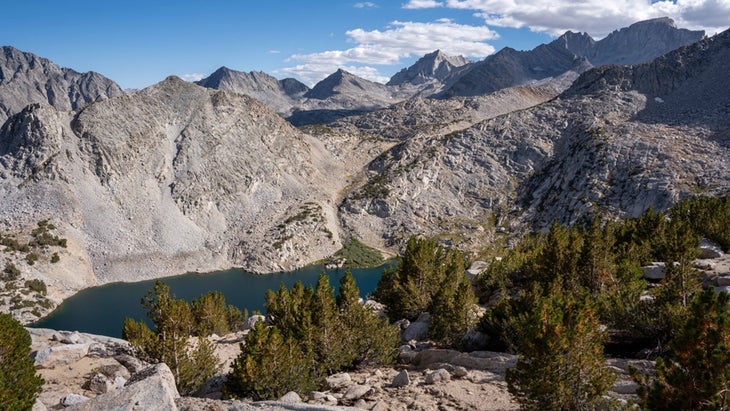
column 100, row 384
column 113, row 371
column 338, row 380
column 152, row 389
column 401, row 380
column 417, row 330
column 475, row 340
column 70, row 337
column 655, row 271
column 475, row 269
column 60, row 355
column 73, row 399
column 356, row 392
column 440, row 375
column 291, row 398
column 132, row 364
column 722, row 281
column 459, row 372
column 709, row 250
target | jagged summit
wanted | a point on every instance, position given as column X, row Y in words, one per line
column 26, row 78
column 638, row 43
column 433, row 66
column 280, row 95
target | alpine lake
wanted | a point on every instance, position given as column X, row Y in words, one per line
column 102, row 310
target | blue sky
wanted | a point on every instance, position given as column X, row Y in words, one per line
column 138, row 43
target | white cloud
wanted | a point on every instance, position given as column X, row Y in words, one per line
column 398, row 41
column 274, row 52
column 192, row 76
column 423, row 4
column 597, row 17
column 365, row 5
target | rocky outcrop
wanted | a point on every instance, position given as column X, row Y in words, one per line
column 436, row 66
column 26, row 78
column 641, row 42
column 200, row 179
column 151, row 389
column 281, row 96
column 607, row 144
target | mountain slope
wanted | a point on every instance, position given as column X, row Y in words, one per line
column 638, row 43
column 201, row 179
column 607, row 144
column 26, row 78
column 279, row 95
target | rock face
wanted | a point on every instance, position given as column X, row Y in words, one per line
column 150, row 389
column 433, row 66
column 26, row 78
column 641, row 42
column 607, row 144
column 280, row 95
column 200, row 178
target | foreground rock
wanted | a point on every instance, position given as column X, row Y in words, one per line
column 152, row 389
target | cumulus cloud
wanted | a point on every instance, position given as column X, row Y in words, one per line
column 365, row 5
column 422, row 4
column 192, row 77
column 398, row 41
column 597, row 17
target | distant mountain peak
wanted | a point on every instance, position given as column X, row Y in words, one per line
column 26, row 78
column 436, row 65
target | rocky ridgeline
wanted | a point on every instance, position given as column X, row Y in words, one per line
column 26, row 78
column 280, row 95
column 641, row 42
column 606, row 145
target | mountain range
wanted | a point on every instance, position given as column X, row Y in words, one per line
column 180, row 176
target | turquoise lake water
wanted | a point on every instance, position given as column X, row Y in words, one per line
column 102, row 310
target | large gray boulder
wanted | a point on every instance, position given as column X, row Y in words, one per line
column 417, row 330
column 152, row 389
column 60, row 355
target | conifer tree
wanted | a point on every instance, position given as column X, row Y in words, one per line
column 695, row 372
column 270, row 365
column 561, row 364
column 19, row 383
column 167, row 342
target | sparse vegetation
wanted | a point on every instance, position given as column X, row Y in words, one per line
column 357, row 254
column 310, row 335
column 174, row 322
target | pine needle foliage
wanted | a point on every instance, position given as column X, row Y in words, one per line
column 430, row 278
column 19, row 383
column 694, row 374
column 311, row 333
column 192, row 362
column 561, row 364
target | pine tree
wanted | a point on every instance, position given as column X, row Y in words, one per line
column 561, row 364
column 168, row 341
column 695, row 372
column 269, row 366
column 213, row 316
column 19, row 383
column 453, row 311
